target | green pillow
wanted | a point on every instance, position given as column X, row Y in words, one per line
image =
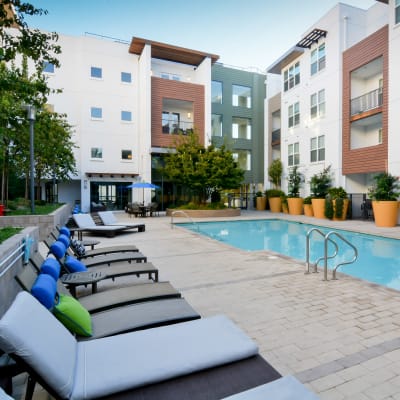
column 73, row 315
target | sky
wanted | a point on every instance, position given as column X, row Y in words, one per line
column 243, row 33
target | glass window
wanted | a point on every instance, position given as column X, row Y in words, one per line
column 216, row 125
column 126, row 77
column 216, row 92
column 96, row 112
column 96, row 152
column 291, row 76
column 48, row 67
column 317, row 149
column 243, row 158
column 317, row 103
column 318, row 59
column 241, row 128
column 397, row 12
column 293, row 154
column 126, row 154
column 171, row 123
column 241, row 96
column 96, row 72
column 126, row 116
column 294, row 115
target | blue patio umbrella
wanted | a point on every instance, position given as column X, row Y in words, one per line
column 142, row 185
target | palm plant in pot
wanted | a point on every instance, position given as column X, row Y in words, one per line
column 336, row 204
column 295, row 202
column 261, row 201
column 319, row 185
column 384, row 194
column 308, row 211
column 274, row 195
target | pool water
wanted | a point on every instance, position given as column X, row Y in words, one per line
column 378, row 258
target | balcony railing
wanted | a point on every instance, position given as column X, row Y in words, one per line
column 367, row 101
column 174, row 128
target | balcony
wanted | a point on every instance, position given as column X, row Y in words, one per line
column 276, row 137
column 366, row 102
column 176, row 128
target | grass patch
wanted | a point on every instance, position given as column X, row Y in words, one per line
column 7, row 232
column 41, row 209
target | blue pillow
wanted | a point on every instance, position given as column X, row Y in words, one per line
column 51, row 267
column 74, row 265
column 44, row 290
column 58, row 249
column 65, row 231
column 65, row 239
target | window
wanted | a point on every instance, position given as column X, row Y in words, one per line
column 291, row 77
column 96, row 112
column 318, row 59
column 216, row 125
column 96, row 152
column 166, row 75
column 216, row 92
column 126, row 154
column 171, row 123
column 294, row 114
column 397, row 11
column 241, row 128
column 317, row 102
column 126, row 116
column 48, row 67
column 318, row 148
column 96, row 72
column 243, row 158
column 126, row 77
column 241, row 96
column 293, row 154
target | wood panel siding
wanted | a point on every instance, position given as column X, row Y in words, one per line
column 372, row 158
column 169, row 89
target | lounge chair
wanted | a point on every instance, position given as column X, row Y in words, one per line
column 109, row 298
column 108, row 219
column 206, row 358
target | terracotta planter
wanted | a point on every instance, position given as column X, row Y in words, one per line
column 275, row 204
column 308, row 211
column 261, row 203
column 385, row 213
column 285, row 208
column 344, row 213
column 318, row 206
column 295, row 205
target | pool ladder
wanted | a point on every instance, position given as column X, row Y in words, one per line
column 327, row 239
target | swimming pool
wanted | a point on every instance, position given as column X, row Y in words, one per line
column 378, row 258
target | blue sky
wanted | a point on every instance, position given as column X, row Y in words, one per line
column 252, row 33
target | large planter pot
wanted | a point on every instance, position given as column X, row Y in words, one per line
column 295, row 205
column 344, row 212
column 275, row 204
column 318, row 206
column 385, row 213
column 308, row 211
column 261, row 203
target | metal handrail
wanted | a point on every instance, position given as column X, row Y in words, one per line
column 344, row 262
column 187, row 216
column 18, row 253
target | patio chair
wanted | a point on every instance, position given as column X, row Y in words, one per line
column 108, row 219
column 206, row 357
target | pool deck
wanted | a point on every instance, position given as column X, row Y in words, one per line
column 340, row 338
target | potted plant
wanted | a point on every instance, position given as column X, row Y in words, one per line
column 384, row 194
column 261, row 201
column 284, row 203
column 336, row 204
column 295, row 202
column 308, row 211
column 275, row 172
column 319, row 185
column 274, row 197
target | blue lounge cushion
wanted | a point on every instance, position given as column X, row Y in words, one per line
column 65, row 231
column 51, row 267
column 44, row 290
column 58, row 249
column 73, row 315
column 65, row 239
column 74, row 265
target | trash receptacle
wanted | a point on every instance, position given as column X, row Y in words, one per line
column 1, row 210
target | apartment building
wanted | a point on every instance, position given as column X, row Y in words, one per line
column 337, row 66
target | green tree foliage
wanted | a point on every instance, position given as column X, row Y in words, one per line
column 202, row 170
column 36, row 45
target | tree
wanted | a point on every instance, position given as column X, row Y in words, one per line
column 36, row 45
column 202, row 170
column 275, row 172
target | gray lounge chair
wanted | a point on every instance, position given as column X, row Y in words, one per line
column 108, row 219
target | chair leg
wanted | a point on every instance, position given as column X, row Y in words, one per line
column 30, row 388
